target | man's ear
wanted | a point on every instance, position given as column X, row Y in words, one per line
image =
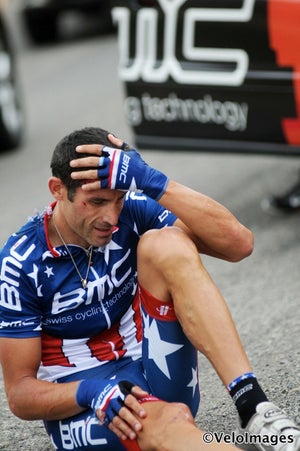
column 57, row 188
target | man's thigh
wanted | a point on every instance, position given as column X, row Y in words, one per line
column 83, row 431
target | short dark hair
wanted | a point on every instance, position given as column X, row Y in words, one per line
column 65, row 151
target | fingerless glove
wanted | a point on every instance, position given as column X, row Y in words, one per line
column 105, row 397
column 127, row 171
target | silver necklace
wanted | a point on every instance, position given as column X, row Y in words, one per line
column 89, row 252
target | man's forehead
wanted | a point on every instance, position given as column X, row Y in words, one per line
column 105, row 194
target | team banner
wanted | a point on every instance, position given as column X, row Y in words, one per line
column 211, row 75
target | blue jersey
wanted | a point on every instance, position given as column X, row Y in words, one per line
column 41, row 293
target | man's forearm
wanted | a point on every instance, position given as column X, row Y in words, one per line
column 32, row 399
column 216, row 230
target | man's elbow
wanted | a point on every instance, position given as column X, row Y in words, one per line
column 17, row 408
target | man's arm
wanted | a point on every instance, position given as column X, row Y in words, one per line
column 33, row 399
column 28, row 397
column 212, row 227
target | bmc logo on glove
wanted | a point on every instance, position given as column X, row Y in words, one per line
column 124, row 168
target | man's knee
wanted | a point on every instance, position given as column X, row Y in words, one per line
column 164, row 257
column 163, row 424
column 175, row 412
column 162, row 245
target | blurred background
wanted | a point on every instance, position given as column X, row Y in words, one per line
column 73, row 81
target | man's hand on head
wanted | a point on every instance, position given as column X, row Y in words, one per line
column 92, row 162
column 114, row 168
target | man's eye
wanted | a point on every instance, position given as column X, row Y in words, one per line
column 98, row 202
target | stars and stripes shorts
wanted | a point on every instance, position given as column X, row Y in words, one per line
column 167, row 369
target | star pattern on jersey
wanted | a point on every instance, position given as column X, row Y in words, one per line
column 34, row 274
column 112, row 246
column 49, row 271
column 158, row 348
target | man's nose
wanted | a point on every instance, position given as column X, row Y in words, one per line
column 111, row 214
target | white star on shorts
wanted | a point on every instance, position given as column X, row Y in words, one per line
column 158, row 348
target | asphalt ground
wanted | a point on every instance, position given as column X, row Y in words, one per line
column 75, row 84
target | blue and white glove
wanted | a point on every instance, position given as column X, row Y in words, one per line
column 127, row 171
column 106, row 398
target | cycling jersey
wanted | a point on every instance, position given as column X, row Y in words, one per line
column 41, row 293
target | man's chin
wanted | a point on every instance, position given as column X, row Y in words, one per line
column 103, row 240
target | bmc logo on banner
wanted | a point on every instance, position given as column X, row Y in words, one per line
column 145, row 64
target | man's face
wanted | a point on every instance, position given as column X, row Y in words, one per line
column 92, row 216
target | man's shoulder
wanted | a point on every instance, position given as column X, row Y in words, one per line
column 145, row 213
column 26, row 237
column 134, row 203
column 136, row 197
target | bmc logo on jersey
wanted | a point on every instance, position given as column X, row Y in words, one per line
column 10, row 275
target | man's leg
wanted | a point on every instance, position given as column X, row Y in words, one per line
column 170, row 268
column 169, row 359
column 82, row 432
column 170, row 427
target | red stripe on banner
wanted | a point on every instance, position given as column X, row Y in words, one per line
column 284, row 33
